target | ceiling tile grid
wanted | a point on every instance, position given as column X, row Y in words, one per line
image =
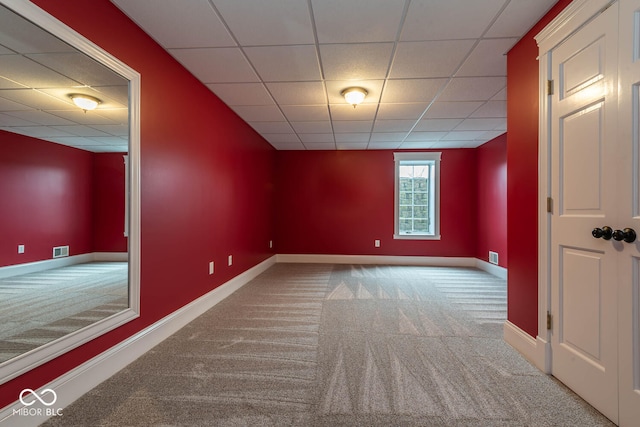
column 435, row 71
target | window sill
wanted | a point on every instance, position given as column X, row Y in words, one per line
column 416, row 237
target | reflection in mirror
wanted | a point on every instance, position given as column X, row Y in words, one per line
column 69, row 190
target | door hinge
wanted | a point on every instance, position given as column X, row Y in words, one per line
column 549, row 87
column 549, row 320
column 549, row 205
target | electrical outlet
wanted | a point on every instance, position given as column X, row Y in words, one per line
column 230, row 260
column 20, row 249
column 270, row 244
column 211, row 267
column 376, row 243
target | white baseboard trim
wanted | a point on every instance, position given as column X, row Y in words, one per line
column 48, row 264
column 377, row 259
column 111, row 256
column 72, row 385
column 535, row 350
column 497, row 271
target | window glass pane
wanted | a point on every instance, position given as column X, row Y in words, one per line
column 421, row 225
column 406, row 211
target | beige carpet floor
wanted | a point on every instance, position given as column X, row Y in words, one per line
column 37, row 308
column 340, row 345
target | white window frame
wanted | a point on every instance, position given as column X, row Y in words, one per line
column 435, row 195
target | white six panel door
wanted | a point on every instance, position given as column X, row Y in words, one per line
column 583, row 181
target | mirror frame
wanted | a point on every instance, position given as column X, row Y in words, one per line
column 19, row 365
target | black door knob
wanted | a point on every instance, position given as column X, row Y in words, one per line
column 628, row 235
column 605, row 232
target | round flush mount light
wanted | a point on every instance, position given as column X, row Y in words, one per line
column 85, row 102
column 354, row 95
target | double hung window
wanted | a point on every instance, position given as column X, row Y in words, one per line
column 417, row 195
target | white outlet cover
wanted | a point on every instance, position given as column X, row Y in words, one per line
column 376, row 243
column 20, row 249
column 230, row 260
column 211, row 267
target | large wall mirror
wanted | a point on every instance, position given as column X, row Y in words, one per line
column 61, row 282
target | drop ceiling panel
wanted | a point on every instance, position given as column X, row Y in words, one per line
column 352, row 137
column 355, row 21
column 9, row 84
column 472, row 88
column 356, row 61
column 22, row 36
column 383, row 145
column 34, row 99
column 285, row 63
column 489, row 58
column 452, row 110
column 282, row 137
column 273, row 22
column 481, row 124
column 347, row 126
column 29, row 73
column 437, row 124
column 80, row 68
column 450, row 19
column 306, row 113
column 388, row 136
column 313, row 138
column 40, row 131
column 425, row 136
column 401, row 111
column 351, row 145
column 320, row 146
column 242, row 93
column 518, row 17
column 444, row 57
column 298, row 93
column 216, row 65
column 412, row 90
column 347, row 112
column 492, row 109
column 272, row 127
column 166, row 22
column 393, row 125
column 312, row 127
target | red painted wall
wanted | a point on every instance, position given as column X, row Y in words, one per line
column 46, row 192
column 492, row 200
column 206, row 183
column 522, row 177
column 108, row 201
column 339, row 202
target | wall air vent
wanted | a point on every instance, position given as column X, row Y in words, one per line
column 60, row 251
column 493, row 257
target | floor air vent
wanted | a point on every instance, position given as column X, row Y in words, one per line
column 493, row 257
column 60, row 251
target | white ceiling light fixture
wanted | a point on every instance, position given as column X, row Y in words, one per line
column 354, row 95
column 85, row 102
